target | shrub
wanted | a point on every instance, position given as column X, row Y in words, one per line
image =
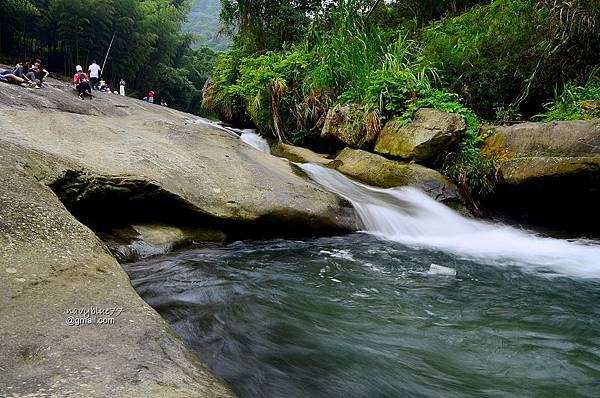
column 224, row 98
column 575, row 102
column 346, row 53
column 399, row 79
column 488, row 54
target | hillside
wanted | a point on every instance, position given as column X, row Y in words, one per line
column 203, row 20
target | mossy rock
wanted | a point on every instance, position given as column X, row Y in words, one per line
column 429, row 134
column 345, row 123
column 548, row 173
column 574, row 138
column 297, row 154
column 378, row 171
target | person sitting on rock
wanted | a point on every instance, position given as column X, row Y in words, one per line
column 82, row 82
column 11, row 78
column 19, row 75
column 104, row 87
column 22, row 70
column 38, row 74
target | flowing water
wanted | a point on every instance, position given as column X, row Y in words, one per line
column 360, row 315
column 250, row 137
column 409, row 216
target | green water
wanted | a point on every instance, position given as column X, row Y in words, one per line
column 355, row 316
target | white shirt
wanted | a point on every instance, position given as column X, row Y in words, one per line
column 94, row 70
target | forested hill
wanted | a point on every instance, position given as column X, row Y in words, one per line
column 203, row 20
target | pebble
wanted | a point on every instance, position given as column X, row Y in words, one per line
column 11, row 270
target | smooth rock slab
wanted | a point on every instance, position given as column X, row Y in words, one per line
column 58, row 265
column 112, row 152
column 125, row 143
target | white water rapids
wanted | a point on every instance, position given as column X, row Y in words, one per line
column 409, row 216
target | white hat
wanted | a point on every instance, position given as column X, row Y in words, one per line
column 78, row 68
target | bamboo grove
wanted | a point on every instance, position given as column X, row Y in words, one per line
column 148, row 50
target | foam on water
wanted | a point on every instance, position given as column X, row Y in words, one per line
column 409, row 216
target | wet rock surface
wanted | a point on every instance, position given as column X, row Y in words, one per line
column 297, row 154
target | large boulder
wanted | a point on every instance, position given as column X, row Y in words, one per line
column 350, row 125
column 56, row 277
column 575, row 138
column 548, row 173
column 423, row 139
column 109, row 162
column 378, row 171
column 119, row 149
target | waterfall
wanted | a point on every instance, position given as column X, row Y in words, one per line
column 409, row 216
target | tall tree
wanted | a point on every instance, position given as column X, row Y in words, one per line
column 267, row 24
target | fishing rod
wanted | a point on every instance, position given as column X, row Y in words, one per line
column 107, row 52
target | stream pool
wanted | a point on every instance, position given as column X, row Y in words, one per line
column 359, row 316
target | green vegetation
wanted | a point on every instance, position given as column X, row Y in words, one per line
column 575, row 102
column 149, row 51
column 498, row 60
column 505, row 58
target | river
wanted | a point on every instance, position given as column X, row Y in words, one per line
column 363, row 315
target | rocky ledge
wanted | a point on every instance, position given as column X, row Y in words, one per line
column 548, row 173
column 68, row 165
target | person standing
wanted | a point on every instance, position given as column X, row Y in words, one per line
column 81, row 81
column 94, row 71
column 122, row 87
column 151, row 96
